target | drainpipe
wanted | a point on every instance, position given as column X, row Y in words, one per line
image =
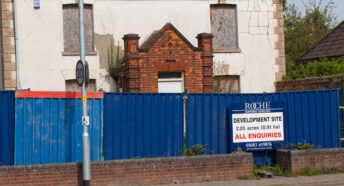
column 16, row 43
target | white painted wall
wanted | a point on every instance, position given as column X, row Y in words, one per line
column 42, row 66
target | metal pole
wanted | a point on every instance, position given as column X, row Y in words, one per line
column 185, row 97
column 85, row 136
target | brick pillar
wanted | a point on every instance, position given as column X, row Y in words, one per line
column 279, row 43
column 131, row 60
column 205, row 41
column 7, row 48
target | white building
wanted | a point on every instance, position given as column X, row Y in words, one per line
column 39, row 39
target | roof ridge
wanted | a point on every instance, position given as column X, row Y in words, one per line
column 299, row 58
column 155, row 35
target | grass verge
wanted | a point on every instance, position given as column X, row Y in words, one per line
column 307, row 171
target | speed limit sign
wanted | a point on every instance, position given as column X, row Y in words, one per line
column 79, row 73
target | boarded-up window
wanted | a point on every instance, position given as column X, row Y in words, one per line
column 226, row 84
column 71, row 85
column 71, row 28
column 224, row 27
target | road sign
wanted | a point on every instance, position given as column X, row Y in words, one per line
column 79, row 73
column 86, row 120
column 87, row 75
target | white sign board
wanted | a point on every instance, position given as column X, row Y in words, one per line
column 257, row 127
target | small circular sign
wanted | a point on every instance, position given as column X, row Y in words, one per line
column 79, row 73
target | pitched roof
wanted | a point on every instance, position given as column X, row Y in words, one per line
column 332, row 45
column 158, row 33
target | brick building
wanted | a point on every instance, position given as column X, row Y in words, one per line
column 167, row 62
column 39, row 44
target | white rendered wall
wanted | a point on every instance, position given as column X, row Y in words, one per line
column 42, row 66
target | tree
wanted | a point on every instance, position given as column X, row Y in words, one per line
column 284, row 3
column 302, row 31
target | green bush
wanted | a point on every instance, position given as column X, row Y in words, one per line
column 303, row 146
column 197, row 149
column 238, row 150
column 322, row 67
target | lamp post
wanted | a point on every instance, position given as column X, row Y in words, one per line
column 85, row 120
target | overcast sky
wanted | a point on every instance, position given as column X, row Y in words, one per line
column 338, row 10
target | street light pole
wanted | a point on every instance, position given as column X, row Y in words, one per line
column 85, row 136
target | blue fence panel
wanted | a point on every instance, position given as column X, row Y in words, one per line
column 6, row 127
column 311, row 116
column 142, row 125
column 49, row 130
column 206, row 121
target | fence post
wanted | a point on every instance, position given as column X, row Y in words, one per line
column 185, row 97
column 341, row 106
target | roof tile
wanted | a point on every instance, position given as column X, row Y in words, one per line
column 332, row 45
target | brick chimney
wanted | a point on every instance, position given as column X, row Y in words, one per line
column 131, row 61
column 205, row 41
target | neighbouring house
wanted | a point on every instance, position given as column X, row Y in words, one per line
column 331, row 46
column 39, row 43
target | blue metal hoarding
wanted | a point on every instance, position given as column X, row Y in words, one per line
column 48, row 127
column 310, row 116
column 6, row 127
column 142, row 125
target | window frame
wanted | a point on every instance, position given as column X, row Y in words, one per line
column 91, row 52
column 75, row 87
column 223, row 6
column 174, row 79
column 229, row 78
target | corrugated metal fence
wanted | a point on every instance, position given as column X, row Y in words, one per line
column 148, row 125
column 6, row 127
column 142, row 125
column 48, row 127
column 312, row 116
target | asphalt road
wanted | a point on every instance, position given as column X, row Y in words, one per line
column 326, row 180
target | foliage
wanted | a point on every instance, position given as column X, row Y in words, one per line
column 114, row 66
column 303, row 146
column 238, row 150
column 256, row 170
column 306, row 171
column 322, row 67
column 197, row 149
column 275, row 170
column 244, row 177
column 284, row 3
column 303, row 30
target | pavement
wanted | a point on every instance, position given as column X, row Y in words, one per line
column 326, row 180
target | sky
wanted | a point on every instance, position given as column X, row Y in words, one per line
column 338, row 10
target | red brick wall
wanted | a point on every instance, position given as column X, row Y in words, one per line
column 170, row 52
column 205, row 42
column 296, row 160
column 317, row 83
column 134, row 171
column 182, row 58
column 132, row 71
